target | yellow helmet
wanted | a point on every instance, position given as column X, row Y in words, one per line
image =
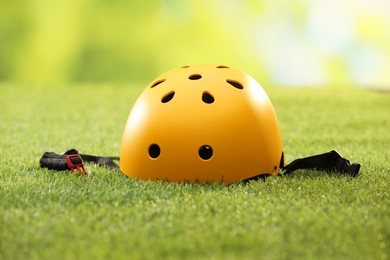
column 202, row 123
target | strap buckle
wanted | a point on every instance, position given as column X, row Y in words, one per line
column 74, row 161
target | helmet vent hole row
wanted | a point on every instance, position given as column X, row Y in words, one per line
column 195, row 77
column 235, row 84
column 205, row 151
column 157, row 83
column 207, row 98
column 168, row 97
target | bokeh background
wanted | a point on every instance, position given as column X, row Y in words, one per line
column 281, row 43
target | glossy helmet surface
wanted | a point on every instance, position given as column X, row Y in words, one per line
column 202, row 123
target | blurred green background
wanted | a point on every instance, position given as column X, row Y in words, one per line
column 283, row 43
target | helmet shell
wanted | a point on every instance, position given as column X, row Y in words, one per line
column 202, row 123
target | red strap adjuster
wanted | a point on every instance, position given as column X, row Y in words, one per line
column 74, row 161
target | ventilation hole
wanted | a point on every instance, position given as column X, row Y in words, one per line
column 205, row 152
column 195, row 77
column 222, row 67
column 207, row 98
column 186, row 66
column 235, row 84
column 157, row 83
column 168, row 97
column 154, row 151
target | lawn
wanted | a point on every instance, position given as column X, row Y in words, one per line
column 311, row 215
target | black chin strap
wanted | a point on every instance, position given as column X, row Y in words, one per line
column 101, row 160
column 331, row 161
column 71, row 159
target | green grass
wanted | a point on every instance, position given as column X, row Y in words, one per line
column 311, row 215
